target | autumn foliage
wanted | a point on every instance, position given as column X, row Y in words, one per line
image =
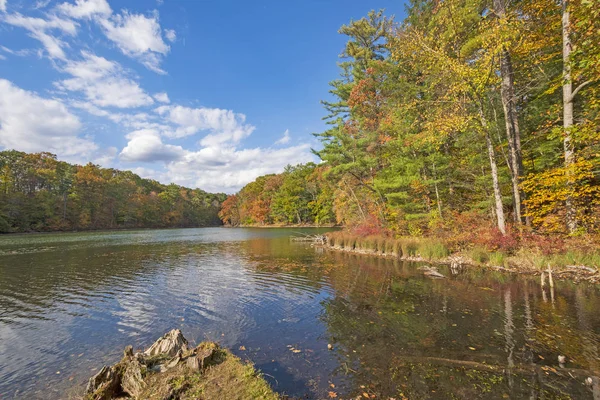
column 40, row 193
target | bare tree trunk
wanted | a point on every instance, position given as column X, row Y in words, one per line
column 494, row 171
column 437, row 192
column 568, row 110
column 509, row 105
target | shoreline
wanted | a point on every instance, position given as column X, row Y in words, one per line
column 108, row 230
column 575, row 273
column 275, row 226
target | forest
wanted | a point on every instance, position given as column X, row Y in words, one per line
column 40, row 193
column 469, row 119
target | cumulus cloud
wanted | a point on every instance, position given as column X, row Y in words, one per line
column 162, row 97
column 103, row 82
column 171, row 35
column 137, row 36
column 223, row 125
column 146, row 145
column 229, row 169
column 285, row 138
column 32, row 123
column 38, row 29
column 85, row 9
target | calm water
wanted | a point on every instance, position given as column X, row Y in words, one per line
column 71, row 302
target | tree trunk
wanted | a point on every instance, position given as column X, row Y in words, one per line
column 568, row 111
column 509, row 105
column 494, row 171
column 437, row 192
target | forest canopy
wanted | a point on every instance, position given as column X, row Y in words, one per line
column 468, row 114
column 40, row 193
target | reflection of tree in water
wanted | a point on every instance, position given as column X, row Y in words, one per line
column 397, row 333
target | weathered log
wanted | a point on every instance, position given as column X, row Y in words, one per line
column 104, row 385
column 170, row 344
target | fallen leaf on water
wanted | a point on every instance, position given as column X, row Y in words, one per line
column 332, row 395
column 296, row 351
column 365, row 394
column 332, row 385
column 242, row 348
column 472, row 348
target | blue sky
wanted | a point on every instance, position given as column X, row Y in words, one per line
column 207, row 94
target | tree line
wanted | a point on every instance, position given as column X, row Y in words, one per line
column 40, row 193
column 466, row 113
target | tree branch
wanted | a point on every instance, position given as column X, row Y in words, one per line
column 578, row 88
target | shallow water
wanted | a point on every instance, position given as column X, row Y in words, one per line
column 71, row 302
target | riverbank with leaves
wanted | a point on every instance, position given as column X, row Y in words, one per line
column 580, row 264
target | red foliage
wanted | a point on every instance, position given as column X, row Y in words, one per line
column 371, row 226
column 547, row 245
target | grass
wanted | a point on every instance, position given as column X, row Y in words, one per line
column 430, row 249
column 498, row 259
column 479, row 255
column 227, row 378
column 433, row 249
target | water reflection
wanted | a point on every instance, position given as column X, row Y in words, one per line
column 70, row 302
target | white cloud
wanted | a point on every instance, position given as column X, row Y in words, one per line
column 103, row 83
column 31, row 123
column 285, row 138
column 162, row 97
column 228, row 169
column 223, row 125
column 85, row 9
column 171, row 35
column 137, row 36
column 20, row 53
column 38, row 29
column 146, row 145
column 2, row 5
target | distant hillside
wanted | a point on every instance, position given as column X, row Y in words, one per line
column 40, row 193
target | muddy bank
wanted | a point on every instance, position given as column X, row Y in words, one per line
column 171, row 369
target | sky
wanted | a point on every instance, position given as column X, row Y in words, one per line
column 202, row 93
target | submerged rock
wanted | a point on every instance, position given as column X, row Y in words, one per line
column 169, row 370
column 431, row 272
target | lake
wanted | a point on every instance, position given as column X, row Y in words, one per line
column 70, row 302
